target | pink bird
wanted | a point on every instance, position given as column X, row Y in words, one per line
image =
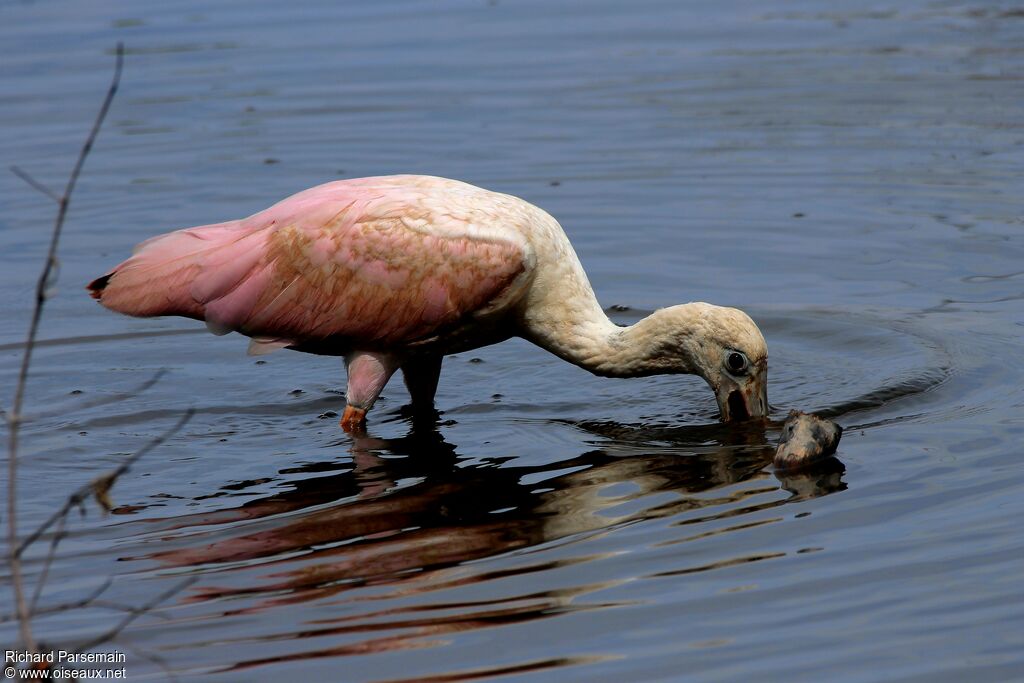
column 399, row 271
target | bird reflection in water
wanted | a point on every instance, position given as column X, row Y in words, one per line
column 372, row 527
column 405, row 516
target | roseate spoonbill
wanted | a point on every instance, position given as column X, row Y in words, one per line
column 399, row 271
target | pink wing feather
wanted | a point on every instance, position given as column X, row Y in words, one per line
column 364, row 260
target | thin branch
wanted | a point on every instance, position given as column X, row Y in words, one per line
column 36, row 185
column 121, row 607
column 65, row 606
column 149, row 656
column 105, row 400
column 101, row 484
column 91, row 601
column 14, row 417
column 135, row 614
column 45, row 573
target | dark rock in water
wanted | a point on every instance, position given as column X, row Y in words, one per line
column 806, row 439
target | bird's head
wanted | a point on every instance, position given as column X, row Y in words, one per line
column 726, row 348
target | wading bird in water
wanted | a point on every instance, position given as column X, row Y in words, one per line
column 397, row 272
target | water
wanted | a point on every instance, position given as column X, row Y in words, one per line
column 850, row 174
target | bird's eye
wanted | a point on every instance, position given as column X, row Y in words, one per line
column 736, row 362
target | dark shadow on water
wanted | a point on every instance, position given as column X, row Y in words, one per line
column 813, row 481
column 363, row 523
column 398, row 513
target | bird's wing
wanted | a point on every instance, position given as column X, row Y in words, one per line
column 379, row 264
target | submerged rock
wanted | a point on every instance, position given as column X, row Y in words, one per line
column 806, row 439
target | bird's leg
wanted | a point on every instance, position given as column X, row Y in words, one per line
column 421, row 374
column 368, row 372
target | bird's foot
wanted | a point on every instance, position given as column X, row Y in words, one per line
column 353, row 420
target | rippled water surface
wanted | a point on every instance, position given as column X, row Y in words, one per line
column 850, row 173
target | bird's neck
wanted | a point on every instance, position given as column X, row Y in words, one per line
column 562, row 314
column 586, row 337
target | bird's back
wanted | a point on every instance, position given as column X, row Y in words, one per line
column 386, row 261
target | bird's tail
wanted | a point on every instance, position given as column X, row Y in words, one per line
column 179, row 272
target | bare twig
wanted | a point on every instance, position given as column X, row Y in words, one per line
column 135, row 614
column 149, row 656
column 65, row 606
column 42, row 286
column 91, row 601
column 104, row 400
column 100, row 485
column 45, row 573
column 24, row 175
column 121, row 607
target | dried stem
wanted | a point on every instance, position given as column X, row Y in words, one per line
column 14, row 416
column 104, row 400
column 89, row 600
column 35, row 184
column 45, row 573
column 149, row 656
column 135, row 614
column 98, row 486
